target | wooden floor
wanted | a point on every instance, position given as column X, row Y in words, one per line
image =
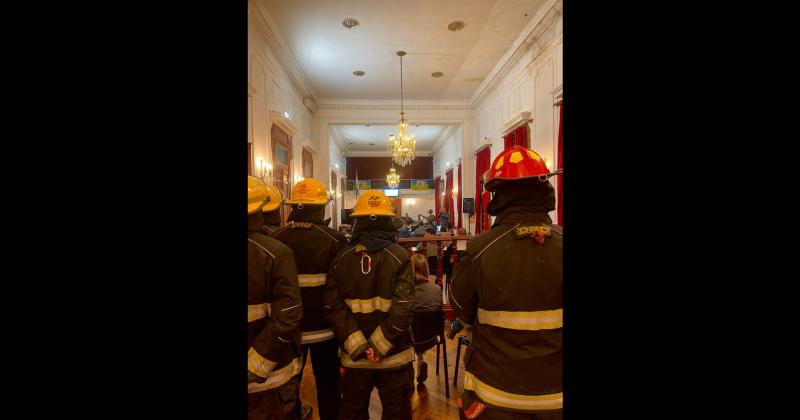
column 428, row 401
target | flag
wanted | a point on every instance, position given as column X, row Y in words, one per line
column 357, row 191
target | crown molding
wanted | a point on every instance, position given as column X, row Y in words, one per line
column 544, row 18
column 269, row 30
column 393, row 105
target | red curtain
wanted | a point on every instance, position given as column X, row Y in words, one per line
column 460, row 190
column 521, row 136
column 437, row 199
column 448, row 196
column 482, row 163
column 559, row 210
column 508, row 140
column 518, row 137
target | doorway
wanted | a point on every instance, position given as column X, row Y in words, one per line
column 282, row 166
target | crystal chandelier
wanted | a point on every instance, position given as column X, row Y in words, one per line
column 393, row 178
column 403, row 145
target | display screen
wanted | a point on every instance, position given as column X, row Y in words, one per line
column 391, row 192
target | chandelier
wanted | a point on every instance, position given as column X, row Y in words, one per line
column 393, row 178
column 403, row 145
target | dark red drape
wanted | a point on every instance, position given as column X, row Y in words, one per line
column 437, row 198
column 460, row 190
column 448, row 196
column 508, row 140
column 521, row 136
column 559, row 210
column 482, row 163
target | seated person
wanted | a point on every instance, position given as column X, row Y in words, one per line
column 427, row 297
column 419, row 232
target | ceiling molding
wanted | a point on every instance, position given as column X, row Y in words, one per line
column 393, row 105
column 544, row 18
column 266, row 26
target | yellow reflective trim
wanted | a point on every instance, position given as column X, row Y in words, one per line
column 311, row 280
column 380, row 341
column 256, row 312
column 369, row 305
column 501, row 398
column 277, row 378
column 516, row 157
column 309, row 337
column 499, row 162
column 395, row 360
column 518, row 320
column 259, row 364
column 354, row 341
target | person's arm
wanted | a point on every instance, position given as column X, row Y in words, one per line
column 401, row 312
column 342, row 321
column 463, row 293
column 284, row 321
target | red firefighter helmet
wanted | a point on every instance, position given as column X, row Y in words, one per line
column 516, row 163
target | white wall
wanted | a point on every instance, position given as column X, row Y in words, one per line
column 271, row 90
column 531, row 84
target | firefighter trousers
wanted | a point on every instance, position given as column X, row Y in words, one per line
column 394, row 388
column 275, row 404
column 468, row 397
column 325, row 364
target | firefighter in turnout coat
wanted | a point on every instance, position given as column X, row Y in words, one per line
column 315, row 245
column 507, row 285
column 274, row 311
column 370, row 303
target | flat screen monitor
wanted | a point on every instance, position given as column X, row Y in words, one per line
column 392, row 192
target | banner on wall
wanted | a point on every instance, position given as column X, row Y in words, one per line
column 364, row 184
column 420, row 184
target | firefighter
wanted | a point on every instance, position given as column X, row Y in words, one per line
column 370, row 303
column 274, row 311
column 315, row 245
column 507, row 285
column 271, row 210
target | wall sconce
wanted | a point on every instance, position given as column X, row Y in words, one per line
column 548, row 164
column 264, row 169
column 455, row 190
column 336, row 165
column 286, row 114
column 448, row 163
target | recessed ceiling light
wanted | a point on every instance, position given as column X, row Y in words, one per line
column 367, row 125
column 456, row 25
column 350, row 23
column 437, row 74
column 351, row 142
column 358, row 73
column 372, row 144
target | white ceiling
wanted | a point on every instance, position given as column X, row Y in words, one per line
column 357, row 138
column 328, row 53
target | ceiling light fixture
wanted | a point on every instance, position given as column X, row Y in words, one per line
column 359, row 73
column 350, row 23
column 456, row 25
column 393, row 178
column 437, row 74
column 403, row 146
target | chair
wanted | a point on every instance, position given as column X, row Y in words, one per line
column 428, row 330
column 462, row 340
